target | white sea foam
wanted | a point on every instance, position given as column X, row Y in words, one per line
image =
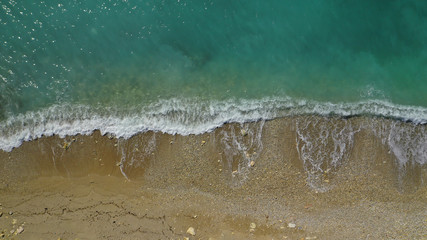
column 323, row 145
column 181, row 116
column 241, row 142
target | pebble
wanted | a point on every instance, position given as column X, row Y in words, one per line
column 310, row 238
column 1, row 214
column 66, row 145
column 291, row 225
column 10, row 213
column 252, row 163
column 1, row 235
column 191, row 231
column 203, row 142
column 252, row 225
column 20, row 229
column 14, row 221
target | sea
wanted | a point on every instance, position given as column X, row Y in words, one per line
column 188, row 67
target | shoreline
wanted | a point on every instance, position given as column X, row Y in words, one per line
column 182, row 116
column 312, row 143
column 258, row 172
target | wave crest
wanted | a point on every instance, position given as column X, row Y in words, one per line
column 182, row 116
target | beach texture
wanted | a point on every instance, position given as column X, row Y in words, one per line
column 157, row 186
column 213, row 119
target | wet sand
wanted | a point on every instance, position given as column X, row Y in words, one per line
column 242, row 181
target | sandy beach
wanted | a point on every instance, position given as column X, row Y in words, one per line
column 160, row 186
column 204, row 119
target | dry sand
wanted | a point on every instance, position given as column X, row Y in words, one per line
column 157, row 186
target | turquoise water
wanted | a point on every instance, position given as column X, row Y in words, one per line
column 185, row 67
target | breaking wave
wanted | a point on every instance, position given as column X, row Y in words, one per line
column 183, row 116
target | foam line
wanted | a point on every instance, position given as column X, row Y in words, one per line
column 182, row 116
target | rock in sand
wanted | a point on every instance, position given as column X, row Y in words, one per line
column 252, row 227
column 191, row 231
column 291, row 225
column 20, row 229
